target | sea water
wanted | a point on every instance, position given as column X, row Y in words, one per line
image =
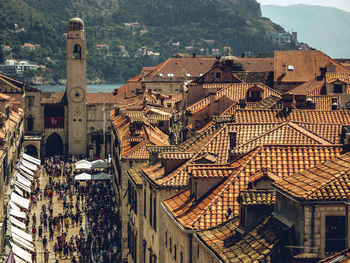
column 91, row 88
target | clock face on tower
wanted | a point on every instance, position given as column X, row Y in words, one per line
column 77, row 94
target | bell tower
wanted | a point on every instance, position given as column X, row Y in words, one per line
column 76, row 86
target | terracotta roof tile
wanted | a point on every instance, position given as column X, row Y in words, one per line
column 287, row 133
column 296, row 115
column 310, row 88
column 176, row 155
column 135, row 175
column 101, row 97
column 193, row 66
column 257, row 64
column 306, row 65
column 343, row 77
column 255, row 246
column 282, row 161
column 329, row 132
column 328, row 181
column 257, row 197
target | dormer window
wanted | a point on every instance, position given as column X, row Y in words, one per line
column 254, row 94
column 338, row 88
column 218, row 75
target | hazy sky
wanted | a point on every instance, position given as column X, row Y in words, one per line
column 341, row 4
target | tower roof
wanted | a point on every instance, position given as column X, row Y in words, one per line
column 75, row 24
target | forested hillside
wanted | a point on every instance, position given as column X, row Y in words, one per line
column 168, row 26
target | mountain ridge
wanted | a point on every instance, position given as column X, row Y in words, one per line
column 315, row 25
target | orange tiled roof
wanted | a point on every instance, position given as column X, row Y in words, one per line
column 257, row 64
column 343, row 77
column 305, row 116
column 282, row 161
column 101, row 97
column 4, row 97
column 256, row 246
column 329, row 132
column 328, row 181
column 257, row 197
column 193, row 66
column 312, row 87
column 324, row 102
column 235, row 92
column 176, row 155
column 306, row 65
column 287, row 133
column 209, row 171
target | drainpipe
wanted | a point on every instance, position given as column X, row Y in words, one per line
column 313, row 226
column 346, row 223
column 191, row 237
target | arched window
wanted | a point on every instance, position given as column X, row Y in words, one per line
column 254, row 94
column 77, row 51
column 30, row 123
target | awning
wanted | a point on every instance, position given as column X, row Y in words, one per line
column 19, row 191
column 99, row 164
column 17, row 223
column 17, row 213
column 83, row 165
column 23, row 180
column 14, row 206
column 20, row 201
column 23, row 187
column 29, row 177
column 82, row 177
column 21, row 253
column 102, row 176
column 21, row 233
column 31, row 159
column 29, row 165
column 25, row 169
column 22, row 242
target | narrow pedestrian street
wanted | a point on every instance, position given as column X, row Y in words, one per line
column 58, row 212
column 70, row 220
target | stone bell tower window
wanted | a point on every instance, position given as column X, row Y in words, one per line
column 77, row 51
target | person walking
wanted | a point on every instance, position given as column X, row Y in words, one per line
column 34, row 219
column 44, row 242
column 40, row 231
column 46, row 256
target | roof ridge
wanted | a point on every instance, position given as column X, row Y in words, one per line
column 228, row 181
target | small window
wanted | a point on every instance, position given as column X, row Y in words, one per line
column 30, row 123
column 170, row 245
column 290, row 68
column 77, row 51
column 335, row 234
column 174, row 252
column 181, row 257
column 80, row 120
column 166, row 239
column 218, row 75
column 30, row 101
column 338, row 88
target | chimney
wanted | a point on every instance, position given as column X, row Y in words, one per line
column 242, row 103
column 170, row 96
column 309, row 104
column 233, row 139
column 149, row 90
column 158, row 96
column 300, row 101
column 144, row 104
column 212, row 96
column 287, row 100
column 162, row 101
column 284, row 69
column 334, row 103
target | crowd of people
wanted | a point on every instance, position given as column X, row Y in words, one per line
column 98, row 240
column 103, row 221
